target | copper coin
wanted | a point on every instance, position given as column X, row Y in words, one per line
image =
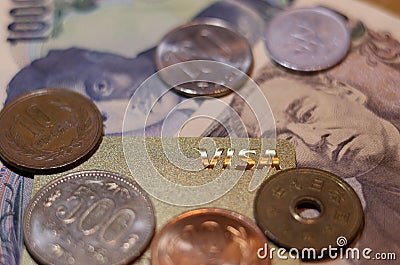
column 308, row 208
column 307, row 39
column 89, row 217
column 206, row 39
column 208, row 236
column 49, row 130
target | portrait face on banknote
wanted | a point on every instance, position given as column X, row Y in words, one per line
column 328, row 122
column 108, row 79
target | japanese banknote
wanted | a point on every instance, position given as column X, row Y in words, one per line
column 345, row 120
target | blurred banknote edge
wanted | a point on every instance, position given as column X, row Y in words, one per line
column 15, row 194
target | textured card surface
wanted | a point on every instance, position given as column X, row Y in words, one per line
column 182, row 174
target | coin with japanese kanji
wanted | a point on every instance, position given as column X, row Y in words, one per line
column 49, row 130
column 89, row 217
column 308, row 208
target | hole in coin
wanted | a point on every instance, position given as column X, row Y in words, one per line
column 307, row 210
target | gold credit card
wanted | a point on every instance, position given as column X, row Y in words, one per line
column 182, row 174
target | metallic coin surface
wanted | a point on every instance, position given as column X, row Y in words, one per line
column 89, row 217
column 308, row 208
column 206, row 39
column 307, row 39
column 49, row 130
column 208, row 236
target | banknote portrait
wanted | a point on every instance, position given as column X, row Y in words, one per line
column 332, row 129
column 108, row 79
column 346, row 123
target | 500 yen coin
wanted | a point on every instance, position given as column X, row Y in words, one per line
column 89, row 217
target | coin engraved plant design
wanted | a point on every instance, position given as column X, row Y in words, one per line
column 37, row 151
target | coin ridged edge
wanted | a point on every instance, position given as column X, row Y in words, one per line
column 87, row 173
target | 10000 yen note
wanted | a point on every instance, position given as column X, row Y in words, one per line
column 345, row 120
column 103, row 49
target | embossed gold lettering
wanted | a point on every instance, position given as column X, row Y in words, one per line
column 279, row 192
column 210, row 164
column 317, row 184
column 341, row 216
column 244, row 156
column 336, row 197
column 228, row 159
column 268, row 159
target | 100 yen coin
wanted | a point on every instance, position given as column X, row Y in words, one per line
column 204, row 40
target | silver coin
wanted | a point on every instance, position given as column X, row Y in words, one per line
column 307, row 39
column 89, row 217
column 203, row 41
